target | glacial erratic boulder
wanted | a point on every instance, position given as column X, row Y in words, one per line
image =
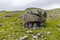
column 34, row 16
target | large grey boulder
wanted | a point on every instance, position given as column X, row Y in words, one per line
column 34, row 16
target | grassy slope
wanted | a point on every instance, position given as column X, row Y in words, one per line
column 12, row 29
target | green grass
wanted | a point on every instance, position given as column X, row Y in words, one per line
column 13, row 30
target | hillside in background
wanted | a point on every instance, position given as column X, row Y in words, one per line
column 11, row 28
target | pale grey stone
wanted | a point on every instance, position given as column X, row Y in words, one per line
column 48, row 32
column 29, row 31
column 39, row 34
column 35, row 37
column 24, row 37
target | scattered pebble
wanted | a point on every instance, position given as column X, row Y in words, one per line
column 24, row 37
column 35, row 37
column 29, row 31
column 48, row 32
column 39, row 34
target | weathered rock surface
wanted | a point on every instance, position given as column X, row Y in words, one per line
column 24, row 37
column 34, row 16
